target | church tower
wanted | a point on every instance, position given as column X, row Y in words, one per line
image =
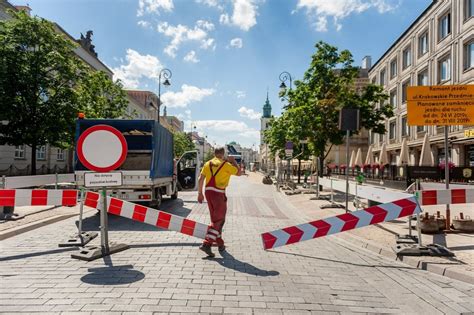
column 267, row 115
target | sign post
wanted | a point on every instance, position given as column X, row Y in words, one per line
column 445, row 105
column 289, row 155
column 101, row 149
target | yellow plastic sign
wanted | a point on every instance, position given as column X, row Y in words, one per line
column 444, row 105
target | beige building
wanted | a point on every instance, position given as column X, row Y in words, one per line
column 437, row 49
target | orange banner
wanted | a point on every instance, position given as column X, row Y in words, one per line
column 444, row 105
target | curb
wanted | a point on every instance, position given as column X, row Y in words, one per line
column 33, row 225
column 449, row 271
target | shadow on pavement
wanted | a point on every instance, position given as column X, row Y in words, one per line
column 164, row 245
column 340, row 261
column 229, row 261
column 46, row 252
column 112, row 275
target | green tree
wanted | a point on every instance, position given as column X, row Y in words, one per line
column 43, row 85
column 100, row 97
column 182, row 143
column 314, row 105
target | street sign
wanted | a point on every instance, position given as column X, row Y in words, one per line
column 101, row 148
column 289, row 152
column 289, row 145
column 444, row 105
column 103, row 179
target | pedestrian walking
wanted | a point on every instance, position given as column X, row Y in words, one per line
column 216, row 173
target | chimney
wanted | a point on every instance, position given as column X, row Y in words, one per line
column 367, row 62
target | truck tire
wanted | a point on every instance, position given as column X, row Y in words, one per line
column 156, row 203
column 175, row 195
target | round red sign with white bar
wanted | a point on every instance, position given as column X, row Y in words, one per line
column 101, row 148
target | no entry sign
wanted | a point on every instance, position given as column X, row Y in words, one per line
column 101, row 148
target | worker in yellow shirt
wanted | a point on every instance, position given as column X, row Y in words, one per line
column 216, row 173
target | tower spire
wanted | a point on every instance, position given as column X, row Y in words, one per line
column 267, row 108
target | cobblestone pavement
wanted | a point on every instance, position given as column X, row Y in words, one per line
column 164, row 272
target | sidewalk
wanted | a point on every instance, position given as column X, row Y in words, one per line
column 380, row 238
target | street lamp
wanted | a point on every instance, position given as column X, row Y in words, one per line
column 166, row 74
column 285, row 76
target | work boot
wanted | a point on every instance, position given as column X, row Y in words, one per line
column 221, row 248
column 207, row 249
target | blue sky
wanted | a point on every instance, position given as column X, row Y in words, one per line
column 225, row 54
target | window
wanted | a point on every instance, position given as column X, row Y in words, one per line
column 393, row 98
column 60, row 155
column 406, row 58
column 19, row 152
column 393, row 68
column 405, row 85
column 374, row 80
column 41, row 153
column 405, row 127
column 382, row 77
column 423, row 44
column 444, row 68
column 468, row 8
column 420, row 128
column 444, row 26
column 423, row 77
column 392, row 130
column 469, row 55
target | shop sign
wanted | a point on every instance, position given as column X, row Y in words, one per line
column 469, row 133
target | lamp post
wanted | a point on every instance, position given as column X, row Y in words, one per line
column 166, row 74
column 285, row 76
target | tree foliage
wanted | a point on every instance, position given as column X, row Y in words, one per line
column 313, row 106
column 182, row 143
column 43, row 85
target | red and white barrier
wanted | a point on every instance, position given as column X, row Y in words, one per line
column 147, row 215
column 340, row 223
column 37, row 197
column 443, row 197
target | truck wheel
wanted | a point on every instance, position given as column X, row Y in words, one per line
column 175, row 195
column 156, row 203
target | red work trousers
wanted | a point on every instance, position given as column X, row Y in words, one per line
column 217, row 203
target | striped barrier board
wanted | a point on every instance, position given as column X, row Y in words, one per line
column 443, row 197
column 37, row 197
column 147, row 215
column 340, row 223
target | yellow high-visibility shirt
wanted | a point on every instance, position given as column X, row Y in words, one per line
column 223, row 177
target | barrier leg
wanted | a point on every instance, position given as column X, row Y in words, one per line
column 6, row 212
column 89, row 253
column 81, row 238
column 332, row 204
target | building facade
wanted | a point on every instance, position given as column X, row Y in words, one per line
column 437, row 49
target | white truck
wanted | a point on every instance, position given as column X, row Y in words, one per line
column 150, row 170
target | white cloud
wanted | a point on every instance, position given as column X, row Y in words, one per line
column 144, row 24
column 154, row 6
column 249, row 113
column 137, row 67
column 232, row 127
column 188, row 94
column 244, row 15
column 240, row 94
column 211, row 3
column 321, row 10
column 181, row 33
column 191, row 57
column 236, row 42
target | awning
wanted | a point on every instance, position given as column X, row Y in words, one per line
column 404, row 158
column 426, row 157
column 369, row 160
column 463, row 141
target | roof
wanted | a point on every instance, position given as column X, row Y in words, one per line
column 406, row 32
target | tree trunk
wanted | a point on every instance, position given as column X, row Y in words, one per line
column 299, row 170
column 33, row 159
